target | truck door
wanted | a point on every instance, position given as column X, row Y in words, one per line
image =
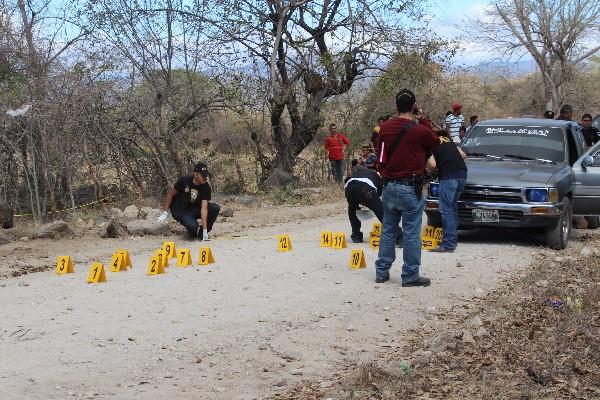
column 586, row 188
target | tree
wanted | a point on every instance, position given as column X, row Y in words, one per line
column 558, row 34
column 308, row 51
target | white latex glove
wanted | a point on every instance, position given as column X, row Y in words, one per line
column 205, row 235
column 162, row 218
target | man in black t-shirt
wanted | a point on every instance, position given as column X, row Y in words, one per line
column 449, row 161
column 189, row 201
column 590, row 133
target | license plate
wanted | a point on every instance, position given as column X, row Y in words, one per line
column 486, row 215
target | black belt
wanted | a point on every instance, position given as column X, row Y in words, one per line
column 402, row 181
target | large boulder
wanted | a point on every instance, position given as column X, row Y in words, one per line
column 6, row 237
column 131, row 212
column 6, row 215
column 152, row 214
column 248, row 201
column 226, row 212
column 144, row 212
column 279, row 178
column 115, row 212
column 116, row 228
column 53, row 230
column 144, row 227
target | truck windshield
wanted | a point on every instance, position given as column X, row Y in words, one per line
column 520, row 142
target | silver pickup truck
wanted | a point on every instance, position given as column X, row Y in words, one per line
column 526, row 173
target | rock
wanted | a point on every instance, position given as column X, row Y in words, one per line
column 586, row 251
column 422, row 357
column 281, row 383
column 147, row 227
column 116, row 228
column 115, row 213
column 325, row 384
column 476, row 322
column 443, row 343
column 152, row 214
column 54, row 230
column 226, row 212
column 24, row 239
column 144, row 212
column 467, row 338
column 482, row 332
column 280, row 178
column 296, row 371
column 6, row 237
column 131, row 212
column 459, row 264
column 543, row 283
column 6, row 215
column 248, row 201
column 291, row 356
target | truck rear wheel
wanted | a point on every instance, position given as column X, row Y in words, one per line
column 558, row 233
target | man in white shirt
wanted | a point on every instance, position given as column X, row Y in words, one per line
column 454, row 121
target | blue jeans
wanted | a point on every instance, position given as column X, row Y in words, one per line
column 400, row 202
column 189, row 218
column 449, row 192
column 337, row 169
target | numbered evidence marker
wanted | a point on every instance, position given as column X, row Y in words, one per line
column 162, row 258
column 205, row 257
column 431, row 237
column 284, row 243
column 374, row 242
column 357, row 259
column 169, row 248
column 125, row 257
column 376, row 230
column 184, row 258
column 155, row 266
column 326, row 239
column 96, row 274
column 339, row 240
column 117, row 263
column 64, row 265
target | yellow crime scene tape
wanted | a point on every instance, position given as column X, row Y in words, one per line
column 103, row 200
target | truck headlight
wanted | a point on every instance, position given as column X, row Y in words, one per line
column 434, row 190
column 553, row 195
column 537, row 195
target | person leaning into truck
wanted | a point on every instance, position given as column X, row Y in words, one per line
column 449, row 160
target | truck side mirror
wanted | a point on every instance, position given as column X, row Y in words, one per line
column 587, row 161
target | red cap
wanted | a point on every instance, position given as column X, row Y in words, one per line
column 456, row 106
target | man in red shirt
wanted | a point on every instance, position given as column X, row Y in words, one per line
column 334, row 145
column 403, row 150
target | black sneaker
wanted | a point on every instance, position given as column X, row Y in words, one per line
column 420, row 281
column 382, row 280
column 356, row 239
column 441, row 250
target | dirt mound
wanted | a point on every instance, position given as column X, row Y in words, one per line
column 535, row 338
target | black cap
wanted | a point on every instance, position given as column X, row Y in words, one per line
column 405, row 100
column 202, row 169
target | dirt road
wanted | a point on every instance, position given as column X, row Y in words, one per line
column 252, row 324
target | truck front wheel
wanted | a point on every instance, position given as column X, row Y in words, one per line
column 558, row 232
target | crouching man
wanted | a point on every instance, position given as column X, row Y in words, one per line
column 189, row 201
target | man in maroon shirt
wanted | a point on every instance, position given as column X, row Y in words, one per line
column 334, row 145
column 402, row 153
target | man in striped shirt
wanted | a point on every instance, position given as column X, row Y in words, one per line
column 454, row 121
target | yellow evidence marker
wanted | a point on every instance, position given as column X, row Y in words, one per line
column 125, row 257
column 205, row 257
column 339, row 240
column 184, row 258
column 431, row 237
column 155, row 266
column 357, row 259
column 429, row 243
column 117, row 263
column 64, row 265
column 284, row 243
column 169, row 249
column 326, row 239
column 162, row 258
column 96, row 274
column 376, row 230
column 374, row 242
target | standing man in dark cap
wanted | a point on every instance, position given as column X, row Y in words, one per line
column 403, row 147
column 566, row 113
column 189, row 201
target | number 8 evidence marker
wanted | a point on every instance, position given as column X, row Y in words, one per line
column 155, row 266
column 284, row 243
column 205, row 256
